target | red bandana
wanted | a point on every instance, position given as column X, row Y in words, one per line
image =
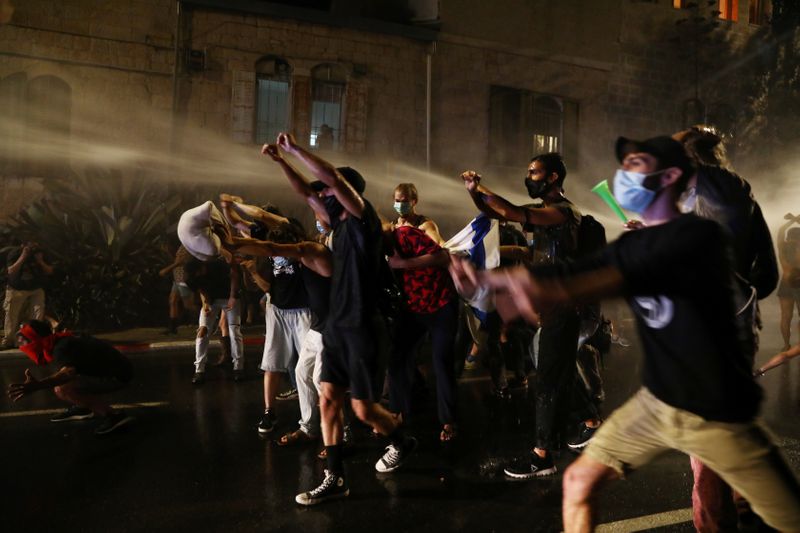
column 40, row 349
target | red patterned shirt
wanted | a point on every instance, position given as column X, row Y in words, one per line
column 426, row 289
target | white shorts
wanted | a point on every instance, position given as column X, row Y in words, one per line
column 286, row 330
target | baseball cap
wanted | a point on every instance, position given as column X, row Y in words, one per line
column 668, row 152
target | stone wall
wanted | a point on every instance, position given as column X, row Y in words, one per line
column 613, row 59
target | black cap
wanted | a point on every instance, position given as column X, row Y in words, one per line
column 668, row 152
column 350, row 175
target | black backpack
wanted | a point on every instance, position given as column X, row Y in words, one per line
column 591, row 236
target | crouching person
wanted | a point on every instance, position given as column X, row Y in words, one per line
column 88, row 369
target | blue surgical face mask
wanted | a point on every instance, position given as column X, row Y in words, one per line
column 402, row 208
column 320, row 227
column 630, row 192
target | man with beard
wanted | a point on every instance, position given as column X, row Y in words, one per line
column 555, row 224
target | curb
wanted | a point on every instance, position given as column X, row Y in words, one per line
column 145, row 347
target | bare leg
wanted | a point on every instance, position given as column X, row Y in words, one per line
column 582, row 479
column 376, row 416
column 271, row 382
column 331, row 404
column 787, row 310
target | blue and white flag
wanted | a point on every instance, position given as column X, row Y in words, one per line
column 480, row 239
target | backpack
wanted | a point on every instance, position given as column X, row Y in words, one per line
column 591, row 236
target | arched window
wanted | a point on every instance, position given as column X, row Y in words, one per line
column 273, row 76
column 12, row 124
column 328, row 83
column 49, row 113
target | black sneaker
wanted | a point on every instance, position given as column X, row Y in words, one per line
column 112, row 422
column 267, row 423
column 199, row 378
column 394, row 456
column 583, row 438
column 72, row 413
column 530, row 468
column 290, row 394
column 333, row 486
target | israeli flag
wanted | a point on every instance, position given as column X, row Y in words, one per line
column 480, row 239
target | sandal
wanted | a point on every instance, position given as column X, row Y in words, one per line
column 449, row 433
column 295, row 437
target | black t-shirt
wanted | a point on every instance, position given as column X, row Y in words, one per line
column 318, row 289
column 213, row 277
column 679, row 277
column 92, row 357
column 30, row 275
column 355, row 284
column 287, row 290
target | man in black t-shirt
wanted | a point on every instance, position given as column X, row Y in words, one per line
column 698, row 393
column 88, row 368
column 350, row 338
column 555, row 224
column 219, row 283
column 27, row 275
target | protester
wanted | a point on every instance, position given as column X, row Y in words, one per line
column 698, row 394
column 350, row 338
column 555, row 223
column 430, row 307
column 88, row 369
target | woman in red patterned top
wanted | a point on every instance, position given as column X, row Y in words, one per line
column 431, row 306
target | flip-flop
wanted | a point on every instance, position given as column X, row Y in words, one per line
column 295, row 437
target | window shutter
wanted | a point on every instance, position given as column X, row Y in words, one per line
column 243, row 106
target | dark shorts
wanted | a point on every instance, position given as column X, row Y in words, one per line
column 97, row 385
column 351, row 359
column 787, row 292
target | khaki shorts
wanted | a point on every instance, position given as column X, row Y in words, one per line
column 743, row 454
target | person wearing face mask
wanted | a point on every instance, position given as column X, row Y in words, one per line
column 698, row 396
column 716, row 192
column 430, row 306
column 315, row 259
column 88, row 369
column 351, row 337
column 554, row 222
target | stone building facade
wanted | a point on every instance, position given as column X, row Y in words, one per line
column 457, row 84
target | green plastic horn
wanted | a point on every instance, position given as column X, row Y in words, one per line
column 602, row 190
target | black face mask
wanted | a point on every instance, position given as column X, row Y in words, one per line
column 537, row 189
column 333, row 207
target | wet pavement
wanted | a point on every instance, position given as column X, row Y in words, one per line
column 193, row 460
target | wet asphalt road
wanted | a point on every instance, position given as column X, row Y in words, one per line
column 193, row 460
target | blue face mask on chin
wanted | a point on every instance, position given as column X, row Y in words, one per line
column 630, row 192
